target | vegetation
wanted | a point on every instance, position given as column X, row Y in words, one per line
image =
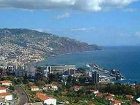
column 118, row 89
column 67, row 92
column 12, row 88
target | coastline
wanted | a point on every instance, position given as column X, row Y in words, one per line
column 56, row 55
column 107, row 58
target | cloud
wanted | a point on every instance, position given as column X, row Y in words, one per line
column 42, row 30
column 83, row 29
column 86, row 5
column 130, row 10
column 65, row 15
column 137, row 34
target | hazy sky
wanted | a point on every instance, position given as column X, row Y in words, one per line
column 104, row 22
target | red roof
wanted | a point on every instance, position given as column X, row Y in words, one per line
column 116, row 102
column 4, row 94
column 3, row 88
column 134, row 103
column 109, row 98
column 42, row 96
column 129, row 96
column 5, row 81
column 99, row 95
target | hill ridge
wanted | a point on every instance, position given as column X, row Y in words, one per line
column 45, row 42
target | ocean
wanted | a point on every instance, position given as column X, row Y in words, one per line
column 125, row 59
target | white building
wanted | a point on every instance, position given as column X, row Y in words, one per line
column 8, row 97
column 4, row 95
column 50, row 87
column 3, row 90
column 138, row 99
column 50, row 101
column 35, row 88
column 45, row 72
column 3, row 63
column 45, row 99
column 37, row 103
column 61, row 69
column 6, row 83
column 54, row 87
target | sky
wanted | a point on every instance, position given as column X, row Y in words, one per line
column 101, row 22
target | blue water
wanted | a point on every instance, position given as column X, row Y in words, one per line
column 126, row 59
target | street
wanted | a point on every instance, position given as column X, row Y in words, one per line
column 23, row 98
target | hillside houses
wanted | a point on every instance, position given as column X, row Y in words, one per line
column 5, row 96
column 34, row 88
column 46, row 99
column 6, row 83
column 50, row 87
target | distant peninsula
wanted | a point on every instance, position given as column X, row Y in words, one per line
column 42, row 41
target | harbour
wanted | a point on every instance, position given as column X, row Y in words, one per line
column 119, row 58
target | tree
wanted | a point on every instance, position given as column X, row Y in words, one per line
column 53, row 77
column 40, row 83
column 118, row 89
column 17, row 81
column 12, row 88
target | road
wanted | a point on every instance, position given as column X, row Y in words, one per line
column 23, row 98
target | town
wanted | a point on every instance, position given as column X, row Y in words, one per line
column 69, row 52
column 64, row 85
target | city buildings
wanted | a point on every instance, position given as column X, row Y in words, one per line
column 95, row 77
column 61, row 69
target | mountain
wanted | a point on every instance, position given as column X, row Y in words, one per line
column 42, row 42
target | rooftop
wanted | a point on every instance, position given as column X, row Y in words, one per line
column 138, row 99
column 4, row 94
column 3, row 88
column 37, row 103
column 116, row 102
column 34, row 86
column 42, row 96
column 5, row 81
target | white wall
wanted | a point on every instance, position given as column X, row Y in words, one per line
column 9, row 97
column 3, row 91
column 50, row 101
